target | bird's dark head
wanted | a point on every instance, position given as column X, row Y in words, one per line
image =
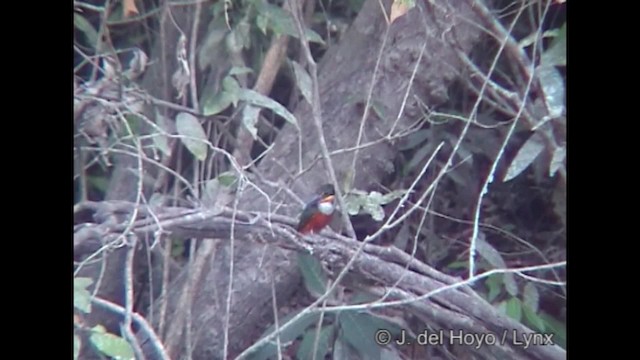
column 318, row 213
column 326, row 192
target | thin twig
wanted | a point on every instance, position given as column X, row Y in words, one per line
column 275, row 316
column 494, row 165
column 178, row 320
column 316, row 339
column 165, row 286
column 507, row 41
column 128, row 302
column 317, row 117
column 227, row 318
column 187, row 327
column 192, row 55
column 264, row 83
column 365, row 114
column 406, row 93
column 128, row 270
column 145, row 327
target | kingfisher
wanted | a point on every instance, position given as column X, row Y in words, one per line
column 318, row 212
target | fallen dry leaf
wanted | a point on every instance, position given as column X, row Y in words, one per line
column 398, row 8
column 129, row 8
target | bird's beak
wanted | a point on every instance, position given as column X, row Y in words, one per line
column 328, row 198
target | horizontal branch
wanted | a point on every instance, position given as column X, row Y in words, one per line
column 440, row 300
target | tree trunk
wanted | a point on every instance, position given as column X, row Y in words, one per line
column 345, row 76
column 124, row 186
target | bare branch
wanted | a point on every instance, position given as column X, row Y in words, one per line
column 145, row 327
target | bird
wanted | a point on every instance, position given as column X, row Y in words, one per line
column 318, row 212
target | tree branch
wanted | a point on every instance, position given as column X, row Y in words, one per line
column 446, row 302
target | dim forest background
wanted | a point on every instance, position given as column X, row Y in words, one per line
column 202, row 127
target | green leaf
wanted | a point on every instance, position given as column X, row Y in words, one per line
column 81, row 296
column 353, row 202
column 76, row 346
column 362, row 297
column 82, row 282
column 243, row 33
column 376, row 323
column 348, row 181
column 297, row 329
column 157, row 200
column 250, row 116
column 559, row 199
column 553, row 87
column 494, row 283
column 211, row 52
column 314, row 277
column 531, row 38
column 514, row 308
column 379, row 109
column 257, row 99
column 111, row 345
column 391, row 353
column 458, row 265
column 234, row 40
column 219, row 8
column 303, row 80
column 556, row 55
column 135, row 123
column 375, row 197
column 210, row 193
column 502, row 307
column 161, row 143
column 532, row 317
column 223, row 99
column 86, row 28
column 227, row 178
column 414, row 139
column 342, row 350
column 556, row 327
column 116, row 14
column 421, row 155
column 262, row 22
column 370, row 203
column 389, row 197
column 312, row 36
column 359, row 330
column 281, row 22
column 525, row 156
column 376, row 211
column 177, row 249
column 101, row 183
column 240, row 70
column 402, row 236
column 530, row 296
column 194, row 137
column 557, row 160
column 217, row 194
column 493, row 257
column 305, row 350
column 160, row 138
column 232, row 87
column 217, row 103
